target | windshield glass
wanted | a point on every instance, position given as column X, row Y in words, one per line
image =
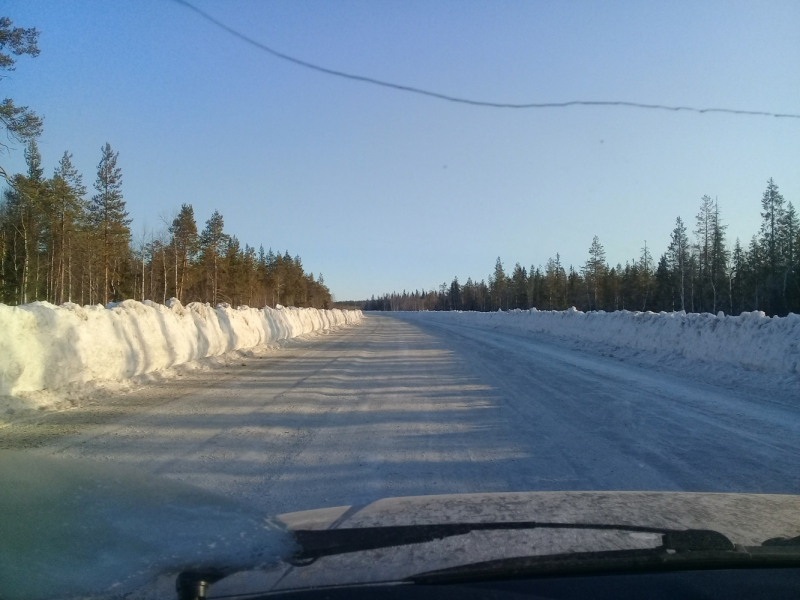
column 263, row 258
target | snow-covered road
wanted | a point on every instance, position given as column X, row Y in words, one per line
column 408, row 406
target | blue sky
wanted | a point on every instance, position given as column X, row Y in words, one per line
column 381, row 190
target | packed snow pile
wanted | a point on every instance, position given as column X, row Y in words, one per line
column 43, row 346
column 750, row 340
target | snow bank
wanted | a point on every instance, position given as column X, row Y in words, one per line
column 750, row 340
column 43, row 346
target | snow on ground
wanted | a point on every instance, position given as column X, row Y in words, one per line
column 751, row 341
column 46, row 347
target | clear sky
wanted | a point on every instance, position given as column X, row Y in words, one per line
column 382, row 190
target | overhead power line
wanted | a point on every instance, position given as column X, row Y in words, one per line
column 460, row 100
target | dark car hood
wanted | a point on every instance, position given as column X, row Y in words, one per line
column 745, row 519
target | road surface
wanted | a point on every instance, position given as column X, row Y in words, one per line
column 395, row 408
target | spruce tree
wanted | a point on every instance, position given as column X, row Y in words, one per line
column 737, row 276
column 719, row 259
column 454, row 295
column 664, row 294
column 789, row 238
column 679, row 258
column 770, row 237
column 551, row 287
column 755, row 268
column 593, row 271
column 560, row 283
column 703, row 242
column 645, row 275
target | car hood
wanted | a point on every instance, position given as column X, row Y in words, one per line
column 745, row 519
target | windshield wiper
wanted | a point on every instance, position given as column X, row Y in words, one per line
column 315, row 544
column 680, row 551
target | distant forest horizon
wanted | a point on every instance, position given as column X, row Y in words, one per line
column 700, row 271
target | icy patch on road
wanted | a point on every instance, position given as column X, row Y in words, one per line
column 751, row 340
column 46, row 347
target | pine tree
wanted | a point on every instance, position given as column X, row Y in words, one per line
column 32, row 190
column 12, row 213
column 498, row 284
column 23, row 228
column 548, row 286
column 109, row 218
column 519, row 286
column 18, row 123
column 552, row 284
column 213, row 241
column 40, row 193
column 232, row 272
column 19, row 230
column 184, row 242
column 68, row 196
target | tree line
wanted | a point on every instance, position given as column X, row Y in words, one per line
column 698, row 272
column 58, row 245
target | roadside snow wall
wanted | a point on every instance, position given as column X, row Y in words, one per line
column 750, row 340
column 43, row 346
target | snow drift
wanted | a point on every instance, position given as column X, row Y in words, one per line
column 750, row 340
column 43, row 346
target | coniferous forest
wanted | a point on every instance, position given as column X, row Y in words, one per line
column 700, row 271
column 60, row 246
column 63, row 242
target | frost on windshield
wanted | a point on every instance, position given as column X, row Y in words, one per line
column 69, row 529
